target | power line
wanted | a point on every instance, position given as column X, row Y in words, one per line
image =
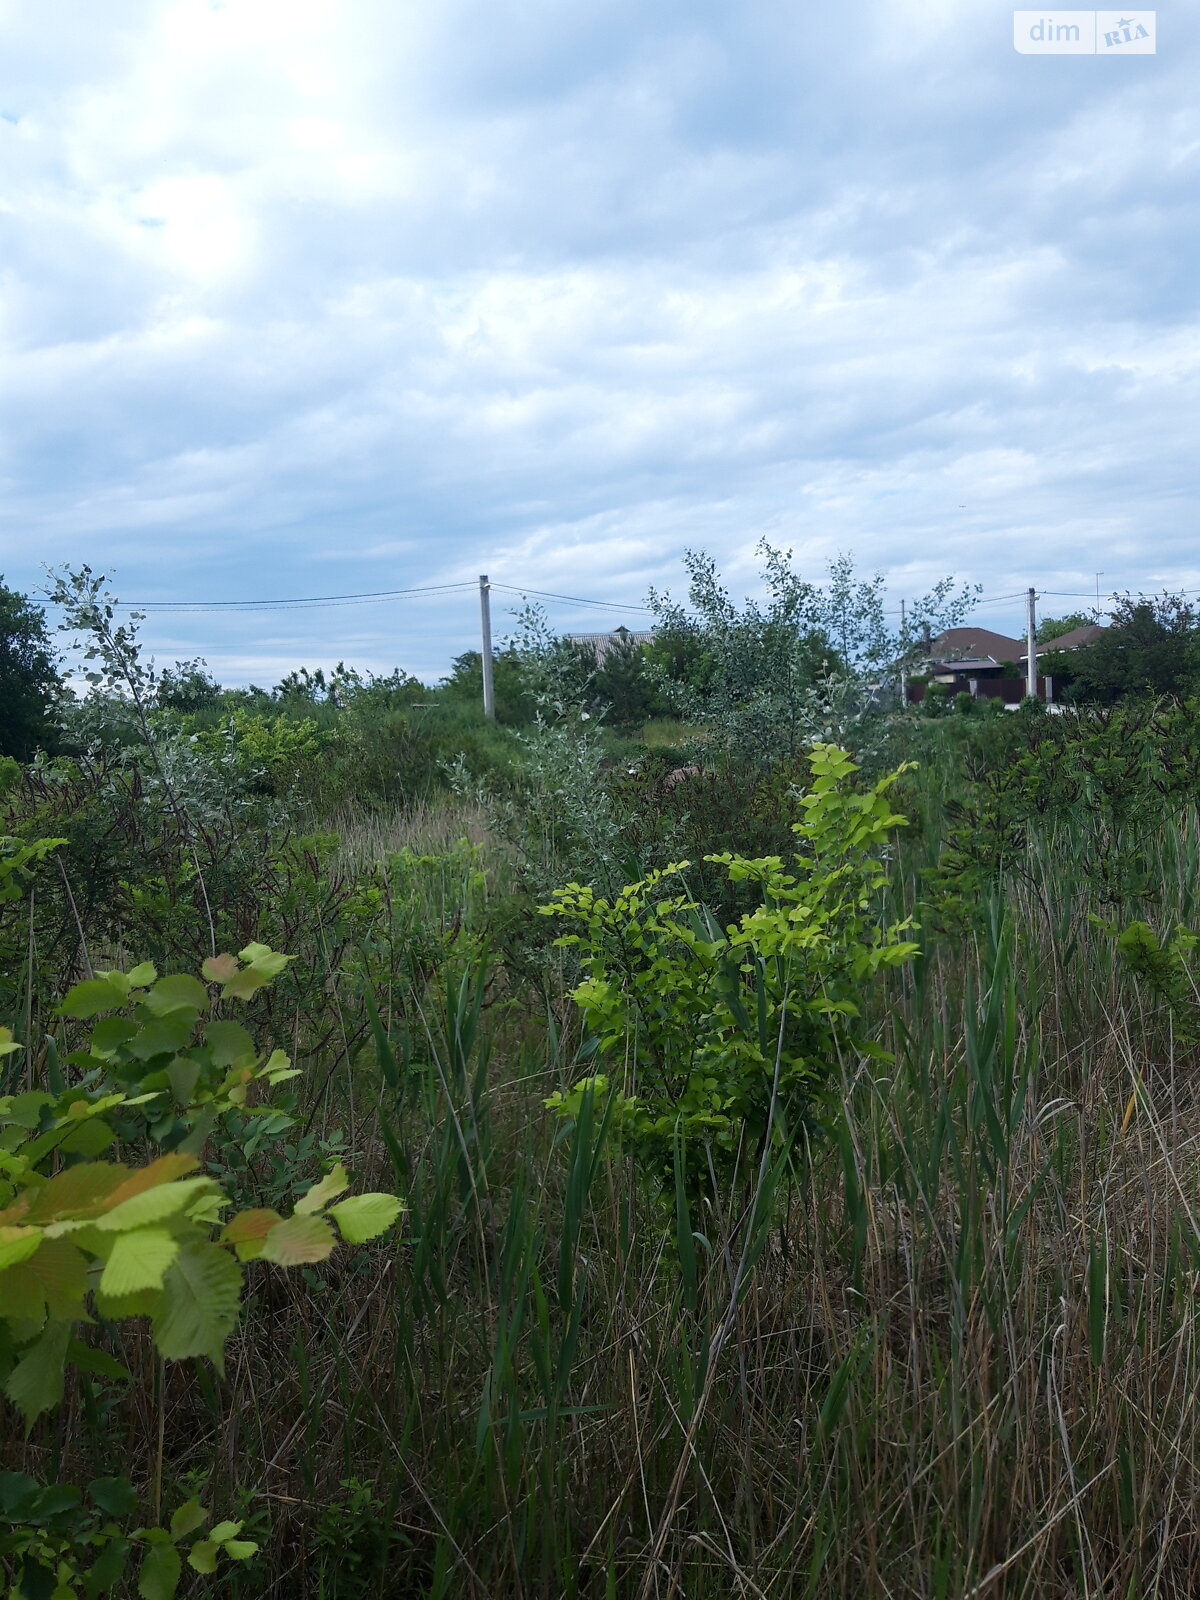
column 575, row 599
column 304, row 601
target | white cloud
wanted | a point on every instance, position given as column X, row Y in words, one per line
column 296, row 297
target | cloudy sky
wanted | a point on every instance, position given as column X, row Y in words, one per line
column 325, row 297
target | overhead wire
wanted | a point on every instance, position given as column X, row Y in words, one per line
column 371, row 597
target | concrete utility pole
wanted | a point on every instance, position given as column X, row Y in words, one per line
column 1031, row 671
column 903, row 660
column 485, row 619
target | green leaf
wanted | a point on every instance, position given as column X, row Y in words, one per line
column 139, row 1260
column 88, row 1139
column 17, row 1494
column 219, row 969
column 36, row 1382
column 146, row 1303
column 247, row 1230
column 187, row 1518
column 26, row 1109
column 86, row 999
column 297, row 1240
column 177, row 993
column 110, row 1034
column 143, row 974
column 108, row 1569
column 203, row 1555
column 224, row 1531
column 246, row 983
column 166, row 1036
column 17, row 1244
column 87, row 1358
column 21, row 1295
column 159, row 1576
column 182, row 1075
column 62, row 1271
column 365, row 1216
column 240, row 1549
column 114, row 1496
column 229, row 1042
column 319, row 1196
column 78, row 1191
column 155, row 1205
column 201, row 1297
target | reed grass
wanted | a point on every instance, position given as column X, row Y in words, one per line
column 955, row 1356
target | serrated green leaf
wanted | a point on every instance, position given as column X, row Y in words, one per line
column 319, row 1196
column 78, row 1191
column 142, row 975
column 17, row 1493
column 36, row 1382
column 87, row 1358
column 187, row 1518
column 271, row 964
column 178, row 993
column 240, row 1549
column 365, row 1216
column 26, row 1109
column 114, row 1496
column 297, row 1240
column 203, row 1556
column 144, row 1304
column 159, row 1576
column 88, row 998
column 156, row 1205
column 108, row 1036
column 21, row 1294
column 200, row 1301
column 182, row 1074
column 108, row 1569
column 17, row 1244
column 88, row 1139
column 229, row 1043
column 139, row 1260
column 224, row 1531
column 246, row 1232
column 219, row 969
column 62, row 1271
column 246, row 983
column 165, row 1036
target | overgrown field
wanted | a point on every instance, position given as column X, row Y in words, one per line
column 852, row 1270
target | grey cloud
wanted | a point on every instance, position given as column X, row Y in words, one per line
column 558, row 291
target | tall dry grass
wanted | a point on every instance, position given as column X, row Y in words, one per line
column 957, row 1356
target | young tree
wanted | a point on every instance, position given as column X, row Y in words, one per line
column 187, row 686
column 1152, row 647
column 808, row 662
column 1051, row 628
column 30, row 682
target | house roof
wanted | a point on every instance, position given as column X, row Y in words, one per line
column 602, row 643
column 974, row 644
column 1088, row 634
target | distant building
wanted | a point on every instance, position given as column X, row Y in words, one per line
column 991, row 666
column 974, row 644
column 602, row 643
column 1075, row 640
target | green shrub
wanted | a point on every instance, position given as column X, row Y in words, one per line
column 718, row 1039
